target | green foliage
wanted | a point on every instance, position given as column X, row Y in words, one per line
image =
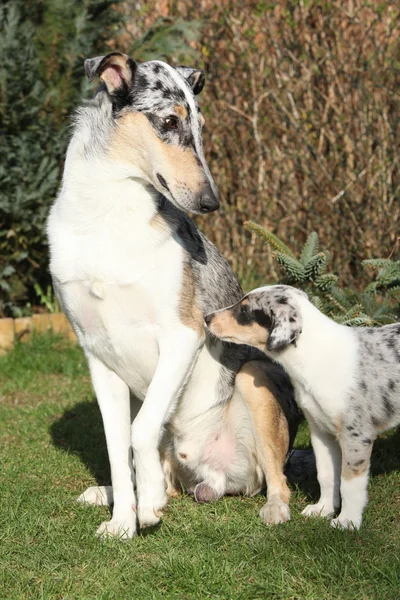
column 42, row 49
column 47, row 298
column 376, row 305
column 168, row 38
column 387, row 278
column 38, row 89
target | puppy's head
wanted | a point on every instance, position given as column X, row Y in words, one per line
column 267, row 318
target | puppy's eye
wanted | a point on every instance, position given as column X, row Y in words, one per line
column 244, row 310
column 171, row 122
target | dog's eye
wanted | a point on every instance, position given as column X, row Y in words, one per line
column 171, row 122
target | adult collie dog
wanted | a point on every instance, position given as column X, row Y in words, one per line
column 135, row 278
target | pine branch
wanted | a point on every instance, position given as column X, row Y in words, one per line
column 311, row 248
column 269, row 238
column 316, row 265
column 293, row 268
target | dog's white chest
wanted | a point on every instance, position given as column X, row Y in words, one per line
column 118, row 325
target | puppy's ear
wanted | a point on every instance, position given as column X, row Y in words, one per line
column 116, row 70
column 195, row 78
column 285, row 327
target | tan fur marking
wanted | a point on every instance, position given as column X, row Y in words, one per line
column 225, row 325
column 135, row 142
column 181, row 111
column 160, row 223
column 357, row 468
column 173, row 488
column 349, row 472
column 189, row 313
column 270, row 425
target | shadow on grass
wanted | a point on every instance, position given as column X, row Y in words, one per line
column 80, row 431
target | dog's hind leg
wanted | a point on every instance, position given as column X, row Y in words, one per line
column 101, row 495
column 272, row 435
column 356, row 454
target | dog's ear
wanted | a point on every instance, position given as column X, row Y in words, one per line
column 116, row 70
column 286, row 324
column 195, row 78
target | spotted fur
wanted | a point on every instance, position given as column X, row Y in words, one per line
column 347, row 381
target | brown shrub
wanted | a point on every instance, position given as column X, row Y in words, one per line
column 302, row 111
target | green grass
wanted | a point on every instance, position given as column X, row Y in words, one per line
column 52, row 447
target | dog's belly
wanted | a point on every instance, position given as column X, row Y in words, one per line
column 117, row 325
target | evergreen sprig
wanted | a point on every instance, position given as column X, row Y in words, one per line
column 376, row 305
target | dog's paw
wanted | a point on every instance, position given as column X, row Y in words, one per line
column 97, row 495
column 275, row 511
column 149, row 510
column 124, row 530
column 318, row 510
column 344, row 523
column 148, row 516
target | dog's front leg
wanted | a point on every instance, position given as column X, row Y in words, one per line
column 178, row 351
column 328, row 458
column 113, row 398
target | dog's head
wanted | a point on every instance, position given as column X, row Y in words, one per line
column 158, row 127
column 267, row 318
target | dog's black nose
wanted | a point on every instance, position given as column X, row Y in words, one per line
column 208, row 200
column 208, row 203
column 207, row 319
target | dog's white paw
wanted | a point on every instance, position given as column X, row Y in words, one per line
column 97, row 495
column 275, row 511
column 318, row 510
column 344, row 523
column 124, row 530
column 149, row 512
column 149, row 516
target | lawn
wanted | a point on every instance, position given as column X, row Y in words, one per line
column 52, row 447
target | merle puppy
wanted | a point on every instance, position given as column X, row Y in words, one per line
column 347, row 382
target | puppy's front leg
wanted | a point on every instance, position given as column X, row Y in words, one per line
column 328, row 458
column 356, row 454
column 113, row 398
column 178, row 351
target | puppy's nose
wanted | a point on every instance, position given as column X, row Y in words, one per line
column 208, row 318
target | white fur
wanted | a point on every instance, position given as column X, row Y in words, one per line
column 119, row 280
column 322, row 365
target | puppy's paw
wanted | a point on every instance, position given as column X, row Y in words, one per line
column 318, row 510
column 124, row 530
column 97, row 495
column 275, row 511
column 342, row 522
